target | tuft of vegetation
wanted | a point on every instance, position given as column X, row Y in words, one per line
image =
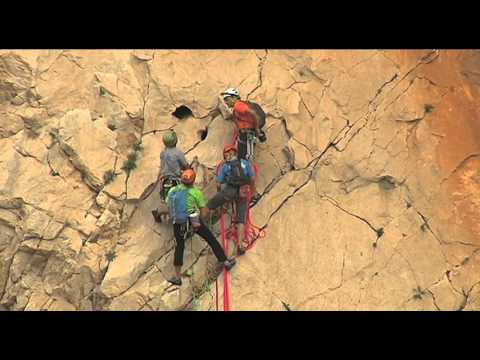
column 111, row 255
column 418, row 293
column 131, row 163
column 286, row 306
column 197, row 292
column 429, row 108
column 112, row 127
column 109, row 176
column 138, row 147
column 380, row 232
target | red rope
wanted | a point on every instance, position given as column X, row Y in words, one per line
column 226, row 274
column 216, row 293
column 252, row 234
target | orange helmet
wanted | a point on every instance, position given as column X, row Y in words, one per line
column 188, row 177
column 228, row 148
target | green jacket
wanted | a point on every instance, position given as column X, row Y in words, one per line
column 195, row 200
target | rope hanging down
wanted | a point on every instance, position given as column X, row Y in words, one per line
column 252, row 233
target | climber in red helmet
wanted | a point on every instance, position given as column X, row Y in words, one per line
column 236, row 175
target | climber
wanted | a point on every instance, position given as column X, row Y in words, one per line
column 237, row 175
column 172, row 162
column 249, row 118
column 187, row 206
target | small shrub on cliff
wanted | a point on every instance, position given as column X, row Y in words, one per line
column 286, row 306
column 197, row 292
column 111, row 255
column 138, row 147
column 131, row 163
column 418, row 293
column 109, row 176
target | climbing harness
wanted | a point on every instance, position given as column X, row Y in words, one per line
column 167, row 183
column 251, row 141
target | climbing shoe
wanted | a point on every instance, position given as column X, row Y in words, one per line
column 175, row 281
column 229, row 264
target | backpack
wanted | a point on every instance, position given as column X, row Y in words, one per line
column 237, row 176
column 177, row 206
column 260, row 113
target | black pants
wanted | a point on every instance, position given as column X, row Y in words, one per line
column 242, row 145
column 227, row 194
column 205, row 233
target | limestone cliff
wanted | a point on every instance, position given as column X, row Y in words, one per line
column 370, row 178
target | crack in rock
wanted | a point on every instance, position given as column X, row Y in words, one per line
column 466, row 295
column 460, row 165
column 427, row 59
column 260, row 74
column 379, row 232
column 141, row 275
column 24, row 153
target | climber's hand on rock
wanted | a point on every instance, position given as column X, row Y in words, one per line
column 224, row 108
column 221, row 102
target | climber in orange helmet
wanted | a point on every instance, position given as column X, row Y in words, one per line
column 187, row 206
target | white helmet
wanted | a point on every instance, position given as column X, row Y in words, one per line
column 231, row 92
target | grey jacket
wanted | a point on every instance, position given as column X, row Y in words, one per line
column 171, row 162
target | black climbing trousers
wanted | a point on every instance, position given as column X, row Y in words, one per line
column 246, row 146
column 205, row 233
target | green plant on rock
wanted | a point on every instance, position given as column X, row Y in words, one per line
column 418, row 293
column 137, row 147
column 286, row 306
column 197, row 292
column 129, row 166
column 131, row 163
column 109, row 176
column 111, row 255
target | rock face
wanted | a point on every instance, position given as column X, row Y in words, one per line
column 370, row 178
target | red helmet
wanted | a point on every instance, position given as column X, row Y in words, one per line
column 228, row 148
column 188, row 177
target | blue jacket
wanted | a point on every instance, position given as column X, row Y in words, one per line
column 225, row 171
